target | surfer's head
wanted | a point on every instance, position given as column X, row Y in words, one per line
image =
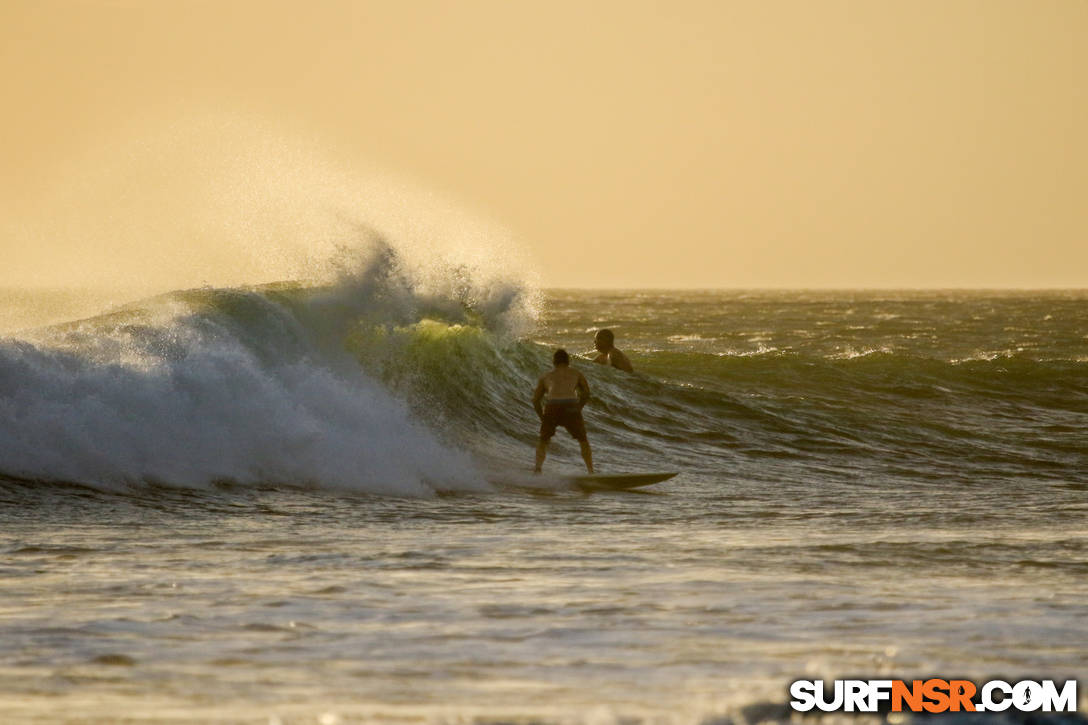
column 561, row 357
column 603, row 340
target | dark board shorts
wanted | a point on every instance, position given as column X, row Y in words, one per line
column 566, row 414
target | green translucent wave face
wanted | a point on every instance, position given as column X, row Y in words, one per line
column 960, row 385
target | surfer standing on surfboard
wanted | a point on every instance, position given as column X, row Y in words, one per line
column 609, row 355
column 567, row 392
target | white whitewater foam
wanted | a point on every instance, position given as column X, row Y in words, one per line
column 211, row 385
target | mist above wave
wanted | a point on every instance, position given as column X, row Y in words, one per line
column 245, row 385
column 247, row 380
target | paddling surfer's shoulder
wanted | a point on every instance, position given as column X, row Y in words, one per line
column 608, row 353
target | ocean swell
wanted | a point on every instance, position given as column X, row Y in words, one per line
column 242, row 385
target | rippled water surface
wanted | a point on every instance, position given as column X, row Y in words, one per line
column 871, row 484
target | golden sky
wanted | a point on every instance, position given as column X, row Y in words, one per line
column 780, row 143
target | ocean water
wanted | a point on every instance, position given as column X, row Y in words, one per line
column 313, row 503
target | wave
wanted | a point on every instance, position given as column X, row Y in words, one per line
column 407, row 377
column 245, row 385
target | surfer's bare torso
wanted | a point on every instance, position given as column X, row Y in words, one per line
column 562, row 383
column 604, row 341
column 616, row 359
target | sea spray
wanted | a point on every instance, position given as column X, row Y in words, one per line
column 250, row 259
column 247, row 385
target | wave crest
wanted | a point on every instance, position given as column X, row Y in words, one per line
column 249, row 385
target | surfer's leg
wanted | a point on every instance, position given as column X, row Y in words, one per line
column 573, row 422
column 587, row 454
column 541, row 453
column 548, row 423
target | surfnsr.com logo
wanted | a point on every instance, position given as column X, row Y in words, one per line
column 933, row 695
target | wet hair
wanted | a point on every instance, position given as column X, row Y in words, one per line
column 606, row 336
column 561, row 357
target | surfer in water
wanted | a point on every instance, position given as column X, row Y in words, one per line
column 608, row 354
column 567, row 392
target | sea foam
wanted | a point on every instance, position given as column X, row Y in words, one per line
column 249, row 385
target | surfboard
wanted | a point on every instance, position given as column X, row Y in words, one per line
column 619, row 481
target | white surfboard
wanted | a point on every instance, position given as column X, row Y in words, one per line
column 619, row 481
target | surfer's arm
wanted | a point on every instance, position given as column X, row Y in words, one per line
column 538, row 398
column 619, row 360
column 582, row 390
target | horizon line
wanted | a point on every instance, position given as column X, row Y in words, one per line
column 578, row 288
column 662, row 288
